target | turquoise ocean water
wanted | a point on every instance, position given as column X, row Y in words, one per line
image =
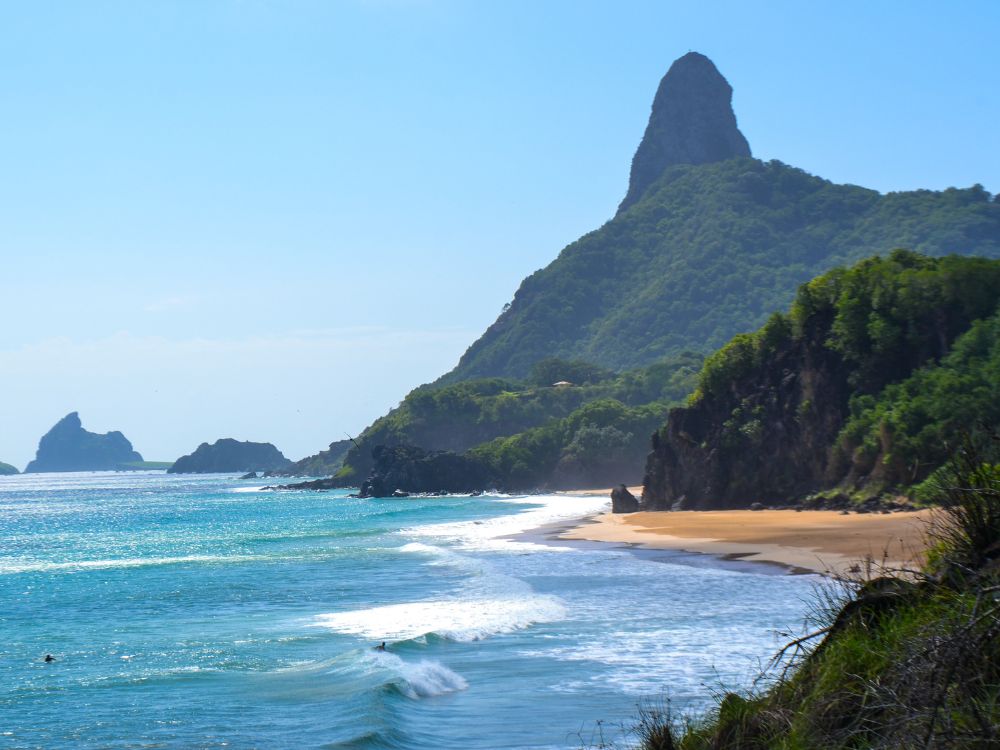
column 198, row 612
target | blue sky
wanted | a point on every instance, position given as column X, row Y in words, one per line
column 270, row 220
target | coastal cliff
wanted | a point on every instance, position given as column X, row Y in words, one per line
column 69, row 447
column 812, row 401
column 228, row 455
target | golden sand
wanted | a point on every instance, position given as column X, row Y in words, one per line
column 820, row 541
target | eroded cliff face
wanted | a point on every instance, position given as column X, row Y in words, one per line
column 854, row 390
column 769, row 438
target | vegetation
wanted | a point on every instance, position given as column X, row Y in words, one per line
column 599, row 444
column 463, row 415
column 859, row 389
column 904, row 432
column 7, row 469
column 909, row 659
column 708, row 252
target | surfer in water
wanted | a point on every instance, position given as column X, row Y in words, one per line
column 49, row 658
column 380, row 647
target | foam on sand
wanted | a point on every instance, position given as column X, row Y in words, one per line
column 493, row 534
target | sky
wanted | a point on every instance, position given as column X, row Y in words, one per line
column 270, row 220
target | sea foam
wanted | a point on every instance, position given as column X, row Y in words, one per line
column 495, row 534
column 421, row 679
column 9, row 567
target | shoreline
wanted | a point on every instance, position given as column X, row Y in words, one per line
column 809, row 541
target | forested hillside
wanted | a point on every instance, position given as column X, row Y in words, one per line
column 711, row 251
column 861, row 389
column 460, row 416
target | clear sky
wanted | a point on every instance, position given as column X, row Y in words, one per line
column 269, row 220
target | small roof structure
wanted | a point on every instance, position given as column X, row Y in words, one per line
column 561, row 384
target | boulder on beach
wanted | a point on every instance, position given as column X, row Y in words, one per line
column 623, row 501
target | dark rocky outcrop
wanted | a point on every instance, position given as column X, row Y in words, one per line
column 228, row 455
column 703, row 459
column 7, row 470
column 329, row 483
column 623, row 501
column 410, row 469
column 324, row 463
column 69, row 447
column 692, row 122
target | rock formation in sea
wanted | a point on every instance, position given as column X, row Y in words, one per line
column 229, row 455
column 692, row 122
column 69, row 447
column 407, row 468
column 7, row 469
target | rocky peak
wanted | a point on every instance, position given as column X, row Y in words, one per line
column 692, row 122
column 69, row 447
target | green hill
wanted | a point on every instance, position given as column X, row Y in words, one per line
column 706, row 245
column 462, row 415
column 708, row 252
column 861, row 389
column 7, row 469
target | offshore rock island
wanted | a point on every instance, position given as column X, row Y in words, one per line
column 228, row 455
column 69, row 447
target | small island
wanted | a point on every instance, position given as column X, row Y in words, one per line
column 7, row 470
column 228, row 455
column 69, row 447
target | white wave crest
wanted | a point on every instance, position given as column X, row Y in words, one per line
column 421, row 679
column 457, row 620
column 11, row 566
column 494, row 533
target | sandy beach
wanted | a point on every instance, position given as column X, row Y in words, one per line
column 817, row 541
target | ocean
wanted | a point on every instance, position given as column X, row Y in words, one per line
column 200, row 612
